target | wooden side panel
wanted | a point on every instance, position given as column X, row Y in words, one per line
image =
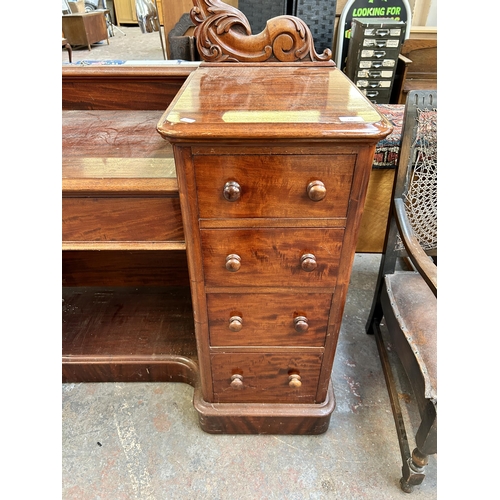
column 132, row 88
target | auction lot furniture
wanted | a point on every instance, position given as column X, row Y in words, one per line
column 112, row 154
column 270, row 241
column 417, row 66
column 85, row 28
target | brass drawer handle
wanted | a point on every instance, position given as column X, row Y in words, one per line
column 308, row 262
column 233, row 262
column 232, row 191
column 235, row 323
column 301, row 324
column 237, row 381
column 316, row 190
column 294, row 381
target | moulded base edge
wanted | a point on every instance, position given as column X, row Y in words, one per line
column 259, row 418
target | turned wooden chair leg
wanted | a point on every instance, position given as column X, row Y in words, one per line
column 67, row 46
column 426, row 440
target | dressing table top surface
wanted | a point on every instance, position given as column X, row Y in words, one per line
column 302, row 101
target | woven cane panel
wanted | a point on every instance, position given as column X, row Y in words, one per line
column 319, row 15
column 258, row 12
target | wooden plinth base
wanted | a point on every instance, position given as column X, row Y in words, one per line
column 247, row 418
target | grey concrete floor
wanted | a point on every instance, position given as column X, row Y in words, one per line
column 142, row 440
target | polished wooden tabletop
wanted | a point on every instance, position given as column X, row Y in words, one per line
column 303, row 101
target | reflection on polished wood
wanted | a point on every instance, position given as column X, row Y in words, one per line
column 302, row 101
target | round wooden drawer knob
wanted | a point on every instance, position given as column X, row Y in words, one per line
column 294, row 381
column 308, row 262
column 301, row 324
column 232, row 191
column 316, row 190
column 235, row 323
column 237, row 381
column 233, row 262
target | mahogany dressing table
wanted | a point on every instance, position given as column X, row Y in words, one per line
column 272, row 161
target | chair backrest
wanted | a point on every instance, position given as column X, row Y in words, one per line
column 412, row 230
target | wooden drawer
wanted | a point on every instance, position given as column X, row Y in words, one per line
column 271, row 256
column 273, row 185
column 237, row 319
column 265, row 377
column 121, row 219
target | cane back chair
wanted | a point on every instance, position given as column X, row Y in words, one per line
column 407, row 300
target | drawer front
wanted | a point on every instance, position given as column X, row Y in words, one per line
column 389, row 43
column 377, row 64
column 374, row 84
column 375, row 73
column 121, row 219
column 382, row 95
column 272, row 257
column 274, row 185
column 385, row 32
column 378, row 54
column 265, row 377
column 260, row 319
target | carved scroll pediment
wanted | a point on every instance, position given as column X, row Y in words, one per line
column 223, row 33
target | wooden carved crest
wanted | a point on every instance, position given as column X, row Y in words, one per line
column 223, row 33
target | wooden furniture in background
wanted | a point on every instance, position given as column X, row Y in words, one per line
column 125, row 11
column 172, row 11
column 406, row 300
column 85, row 29
column 376, row 210
column 417, row 65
